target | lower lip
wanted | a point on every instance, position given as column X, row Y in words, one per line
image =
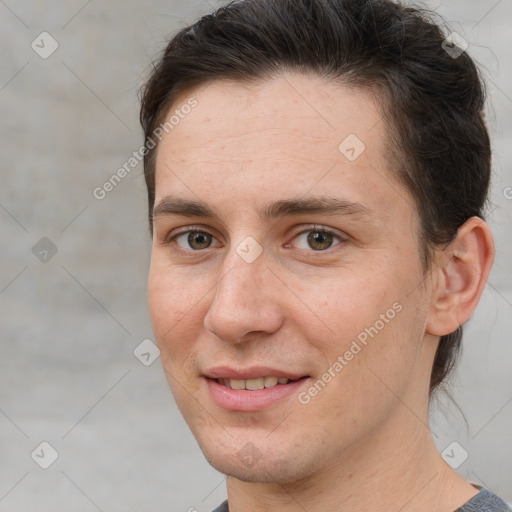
column 246, row 400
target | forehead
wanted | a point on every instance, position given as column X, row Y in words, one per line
column 287, row 136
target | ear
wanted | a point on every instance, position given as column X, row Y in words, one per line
column 461, row 272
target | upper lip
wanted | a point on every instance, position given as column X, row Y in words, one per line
column 253, row 372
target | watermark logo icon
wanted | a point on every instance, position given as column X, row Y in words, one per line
column 249, row 249
column 146, row 352
column 352, row 147
column 249, row 454
column 44, row 45
column 44, row 250
column 44, row 455
column 455, row 45
column 454, row 455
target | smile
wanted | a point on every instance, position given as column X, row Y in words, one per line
column 251, row 390
column 254, row 384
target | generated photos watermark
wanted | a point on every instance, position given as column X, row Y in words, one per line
column 101, row 192
column 343, row 360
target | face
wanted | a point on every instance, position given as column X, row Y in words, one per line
column 285, row 282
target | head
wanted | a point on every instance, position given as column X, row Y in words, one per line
column 283, row 109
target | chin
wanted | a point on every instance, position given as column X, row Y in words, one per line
column 261, row 473
column 264, row 465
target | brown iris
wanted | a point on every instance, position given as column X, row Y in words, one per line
column 199, row 240
column 319, row 240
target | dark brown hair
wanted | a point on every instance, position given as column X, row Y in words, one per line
column 433, row 99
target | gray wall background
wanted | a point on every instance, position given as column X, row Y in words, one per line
column 69, row 324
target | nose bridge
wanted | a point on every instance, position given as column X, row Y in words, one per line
column 243, row 300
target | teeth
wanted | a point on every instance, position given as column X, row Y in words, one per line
column 254, row 384
column 237, row 384
column 271, row 381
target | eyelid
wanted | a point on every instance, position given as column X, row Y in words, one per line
column 187, row 229
column 190, row 229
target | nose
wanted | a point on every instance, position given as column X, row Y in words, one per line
column 245, row 301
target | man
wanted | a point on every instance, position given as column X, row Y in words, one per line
column 316, row 173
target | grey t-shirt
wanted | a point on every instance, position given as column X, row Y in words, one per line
column 484, row 501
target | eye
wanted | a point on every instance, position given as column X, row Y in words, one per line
column 194, row 239
column 318, row 239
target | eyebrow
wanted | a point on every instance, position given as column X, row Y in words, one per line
column 295, row 206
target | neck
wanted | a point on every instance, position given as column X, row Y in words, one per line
column 396, row 469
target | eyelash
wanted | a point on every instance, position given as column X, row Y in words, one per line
column 309, row 229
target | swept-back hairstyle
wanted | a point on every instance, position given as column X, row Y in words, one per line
column 432, row 97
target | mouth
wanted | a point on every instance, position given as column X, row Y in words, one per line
column 254, row 389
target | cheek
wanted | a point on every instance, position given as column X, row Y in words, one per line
column 363, row 385
column 175, row 304
column 345, row 303
column 372, row 323
column 174, row 309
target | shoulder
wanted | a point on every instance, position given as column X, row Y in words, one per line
column 223, row 507
column 484, row 501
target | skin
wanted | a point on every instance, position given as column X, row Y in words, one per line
column 363, row 441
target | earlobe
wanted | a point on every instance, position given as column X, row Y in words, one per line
column 461, row 272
